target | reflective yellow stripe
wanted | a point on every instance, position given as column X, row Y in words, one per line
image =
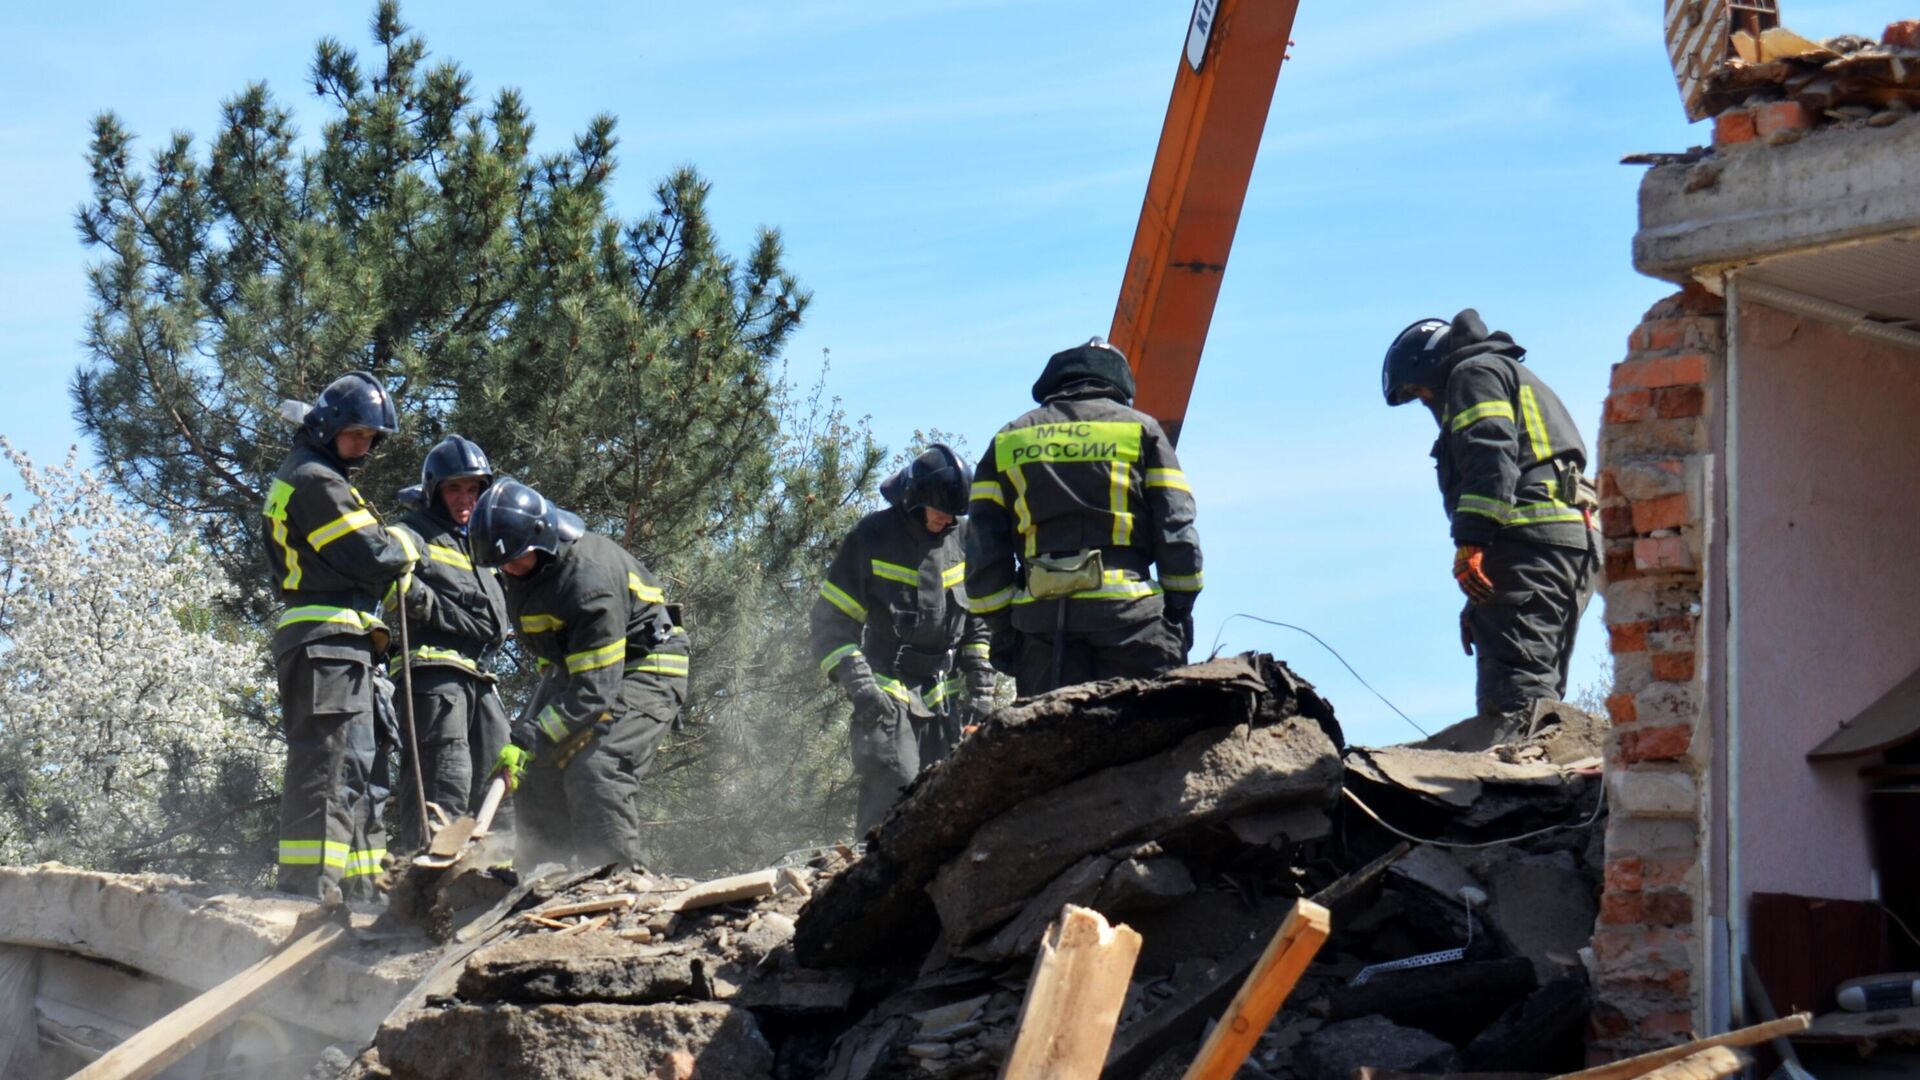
column 428, row 654
column 313, row 853
column 541, row 663
column 1168, row 478
column 1067, row 442
column 989, row 491
column 950, row 687
column 838, row 597
column 953, row 576
column 406, row 543
column 364, row 861
column 893, row 686
column 1485, row 410
column 551, row 725
column 660, row 663
column 895, row 572
column 339, row 527
column 1022, row 517
column 535, row 624
column 1536, row 427
column 833, row 658
column 359, row 620
column 647, row 594
column 592, row 659
column 1115, row 585
column 987, row 605
column 276, row 512
column 1485, row 507
column 1544, row 514
column 976, row 648
column 440, row 553
column 1181, row 582
column 1119, row 485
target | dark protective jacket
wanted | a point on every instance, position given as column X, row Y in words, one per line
column 1082, row 471
column 327, row 553
column 591, row 616
column 893, row 606
column 456, row 611
column 1509, row 457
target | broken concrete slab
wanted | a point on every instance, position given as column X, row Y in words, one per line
column 582, row 1042
column 1453, row 1001
column 596, row 966
column 1148, row 884
column 1210, row 776
column 1457, row 780
column 1542, row 906
column 1334, row 1051
column 1281, row 828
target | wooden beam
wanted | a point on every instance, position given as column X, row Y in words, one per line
column 1710, row 1064
column 1079, row 984
column 174, row 1035
column 725, row 891
column 1747, row 1036
column 1265, row 990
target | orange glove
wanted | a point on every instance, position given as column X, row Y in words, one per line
column 1469, row 570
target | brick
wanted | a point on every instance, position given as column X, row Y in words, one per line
column 1607, row 1022
column 1657, row 553
column 1692, row 299
column 1666, row 873
column 1627, row 637
column 1904, row 34
column 1676, row 332
column 1621, row 909
column 1673, row 667
column 1651, row 598
column 1620, row 565
column 1733, row 127
column 1620, row 708
column 1629, row 407
column 1616, row 521
column 1665, row 512
column 1655, row 744
column 1670, row 402
column 1670, row 1025
column 1781, row 116
column 1653, row 372
column 1671, row 986
column 1654, row 437
column 1651, row 479
column 1607, row 484
column 1623, row 875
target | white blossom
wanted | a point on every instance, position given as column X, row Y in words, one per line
column 117, row 688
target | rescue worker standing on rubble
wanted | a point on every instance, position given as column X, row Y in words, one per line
column 456, row 617
column 891, row 628
column 331, row 560
column 1074, row 505
column 614, row 674
column 1510, row 464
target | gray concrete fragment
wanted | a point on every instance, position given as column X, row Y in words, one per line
column 587, row 967
column 1279, row 828
column 1334, row 1051
column 1541, row 906
column 580, row 1042
column 1137, row 885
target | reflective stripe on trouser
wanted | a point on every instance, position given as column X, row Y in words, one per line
column 334, row 781
column 1137, row 650
column 461, row 725
column 1523, row 637
column 588, row 813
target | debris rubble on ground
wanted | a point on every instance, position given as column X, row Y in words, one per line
column 1196, row 809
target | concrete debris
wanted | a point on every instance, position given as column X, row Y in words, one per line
column 589, row 1040
column 1782, row 85
column 1334, row 1051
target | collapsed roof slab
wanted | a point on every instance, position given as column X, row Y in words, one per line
column 1834, row 186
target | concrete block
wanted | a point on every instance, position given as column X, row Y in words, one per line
column 1676, row 437
column 1633, row 601
column 1655, row 838
column 1645, row 793
column 1641, row 480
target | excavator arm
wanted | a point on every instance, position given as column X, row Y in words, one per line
column 1199, row 181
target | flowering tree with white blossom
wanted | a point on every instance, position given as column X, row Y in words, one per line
column 133, row 716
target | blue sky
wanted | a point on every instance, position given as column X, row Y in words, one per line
column 958, row 182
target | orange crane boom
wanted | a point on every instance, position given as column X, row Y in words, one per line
column 1199, row 181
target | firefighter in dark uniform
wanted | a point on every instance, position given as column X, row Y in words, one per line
column 1510, row 464
column 891, row 628
column 456, row 617
column 614, row 675
column 331, row 560
column 1075, row 505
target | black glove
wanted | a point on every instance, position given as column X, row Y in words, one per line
column 1180, row 618
column 870, row 703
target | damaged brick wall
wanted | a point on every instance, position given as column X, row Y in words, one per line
column 1653, row 481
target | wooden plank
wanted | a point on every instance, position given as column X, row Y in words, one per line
column 1644, row 1063
column 1261, row 996
column 725, row 891
column 620, row 902
column 174, row 1035
column 1709, row 1064
column 1079, row 984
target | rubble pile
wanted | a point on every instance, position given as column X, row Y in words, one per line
column 1195, row 808
column 1845, row 80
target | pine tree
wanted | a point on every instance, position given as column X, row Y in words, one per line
column 631, row 370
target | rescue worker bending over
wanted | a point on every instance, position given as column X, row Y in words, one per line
column 1510, row 462
column 456, row 617
column 891, row 627
column 1074, row 505
column 330, row 559
column 614, row 670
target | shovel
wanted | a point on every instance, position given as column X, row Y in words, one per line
column 450, row 843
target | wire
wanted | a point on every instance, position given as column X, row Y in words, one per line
column 1336, row 655
column 1591, row 818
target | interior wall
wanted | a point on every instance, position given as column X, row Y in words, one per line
column 1828, row 559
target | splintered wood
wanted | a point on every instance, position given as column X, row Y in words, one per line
column 1074, row 1000
column 1266, row 989
column 1709, row 1064
column 1645, row 1063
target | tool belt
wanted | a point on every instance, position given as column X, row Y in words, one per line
column 1051, row 577
column 921, row 666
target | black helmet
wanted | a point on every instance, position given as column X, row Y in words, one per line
column 512, row 519
column 450, row 459
column 352, row 400
column 1095, row 361
column 1414, row 361
column 938, row 478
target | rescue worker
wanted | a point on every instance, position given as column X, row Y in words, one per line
column 1075, row 505
column 331, row 560
column 456, row 617
column 891, row 628
column 614, row 674
column 1509, row 461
